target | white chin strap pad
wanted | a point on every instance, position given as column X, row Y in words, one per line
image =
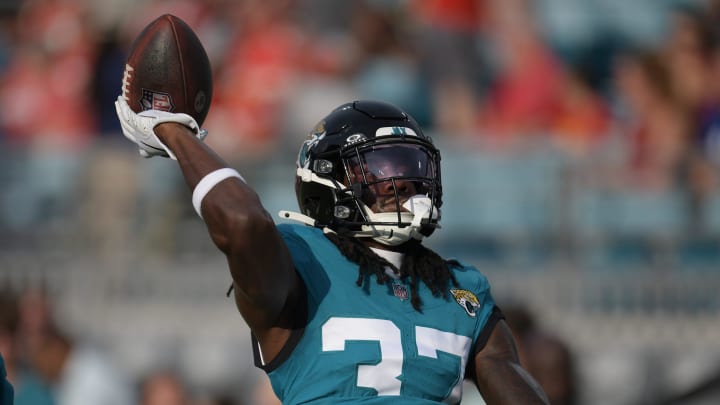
column 420, row 205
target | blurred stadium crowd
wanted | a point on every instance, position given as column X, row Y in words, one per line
column 581, row 172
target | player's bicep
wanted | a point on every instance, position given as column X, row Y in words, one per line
column 498, row 374
column 273, row 333
column 499, row 345
column 259, row 260
column 259, row 318
column 262, row 268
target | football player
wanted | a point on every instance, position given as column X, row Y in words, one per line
column 349, row 306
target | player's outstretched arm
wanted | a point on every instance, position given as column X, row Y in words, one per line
column 266, row 285
column 498, row 374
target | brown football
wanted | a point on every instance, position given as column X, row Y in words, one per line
column 167, row 69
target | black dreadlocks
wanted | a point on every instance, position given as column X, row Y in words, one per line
column 419, row 264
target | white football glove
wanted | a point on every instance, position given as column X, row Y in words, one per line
column 139, row 128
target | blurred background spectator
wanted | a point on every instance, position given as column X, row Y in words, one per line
column 163, row 388
column 29, row 387
column 581, row 170
column 78, row 374
column 46, row 366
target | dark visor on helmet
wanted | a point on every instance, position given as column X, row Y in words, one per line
column 379, row 162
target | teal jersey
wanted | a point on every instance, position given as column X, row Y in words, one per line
column 368, row 344
column 6, row 390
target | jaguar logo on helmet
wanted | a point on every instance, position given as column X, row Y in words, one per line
column 315, row 136
column 319, row 128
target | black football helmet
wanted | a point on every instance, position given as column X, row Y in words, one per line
column 367, row 170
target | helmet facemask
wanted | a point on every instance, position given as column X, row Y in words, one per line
column 388, row 190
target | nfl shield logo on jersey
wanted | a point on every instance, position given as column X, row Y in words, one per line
column 155, row 100
column 400, row 291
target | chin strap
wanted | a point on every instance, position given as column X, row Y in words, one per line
column 419, row 207
column 303, row 219
column 298, row 217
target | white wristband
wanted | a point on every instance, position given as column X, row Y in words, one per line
column 208, row 182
